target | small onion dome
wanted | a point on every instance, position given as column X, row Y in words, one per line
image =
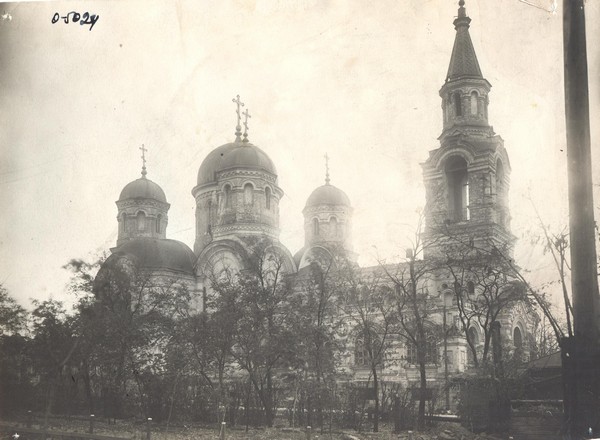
column 327, row 195
column 153, row 253
column 234, row 155
column 143, row 188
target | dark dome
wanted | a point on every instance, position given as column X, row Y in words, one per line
column 327, row 195
column 233, row 155
column 143, row 188
column 154, row 253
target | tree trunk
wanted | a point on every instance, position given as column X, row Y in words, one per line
column 422, row 390
column 376, row 390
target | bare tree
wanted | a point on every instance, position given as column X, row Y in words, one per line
column 365, row 303
column 484, row 288
column 318, row 328
column 260, row 297
column 415, row 309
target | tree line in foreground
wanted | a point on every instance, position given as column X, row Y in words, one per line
column 261, row 344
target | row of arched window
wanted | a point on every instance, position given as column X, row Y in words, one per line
column 333, row 225
column 458, row 287
column 454, row 101
column 248, row 195
column 142, row 223
column 362, row 357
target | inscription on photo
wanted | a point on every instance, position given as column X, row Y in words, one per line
column 73, row 17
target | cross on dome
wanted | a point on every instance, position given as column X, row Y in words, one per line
column 247, row 115
column 238, row 127
column 143, row 149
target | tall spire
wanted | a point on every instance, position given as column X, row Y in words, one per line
column 247, row 115
column 326, row 169
column 465, row 90
column 463, row 63
column 143, row 150
column 238, row 127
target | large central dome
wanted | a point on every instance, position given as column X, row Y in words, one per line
column 234, row 155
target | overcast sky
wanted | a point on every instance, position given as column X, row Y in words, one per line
column 356, row 79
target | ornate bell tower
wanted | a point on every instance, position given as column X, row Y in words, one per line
column 467, row 177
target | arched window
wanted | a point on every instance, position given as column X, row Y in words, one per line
column 315, row 227
column 499, row 178
column 474, row 103
column 333, row 224
column 209, row 217
column 431, row 351
column 361, row 355
column 123, row 217
column 458, row 189
column 517, row 338
column 471, row 287
column 227, row 195
column 268, row 197
column 457, row 104
column 141, row 221
column 248, row 193
column 457, row 287
column 473, row 336
column 518, row 343
column 158, row 221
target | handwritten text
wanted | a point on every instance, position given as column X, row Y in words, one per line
column 74, row 17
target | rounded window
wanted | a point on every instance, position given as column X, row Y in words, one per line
column 141, row 221
column 248, row 194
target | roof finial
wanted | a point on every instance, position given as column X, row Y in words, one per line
column 238, row 127
column 461, row 8
column 247, row 115
column 326, row 169
column 143, row 150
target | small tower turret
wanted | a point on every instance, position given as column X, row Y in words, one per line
column 327, row 219
column 142, row 208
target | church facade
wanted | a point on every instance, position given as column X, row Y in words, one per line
column 237, row 197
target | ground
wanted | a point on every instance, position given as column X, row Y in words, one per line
column 131, row 430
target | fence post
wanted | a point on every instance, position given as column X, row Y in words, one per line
column 308, row 432
column 410, row 435
column 91, row 430
column 222, row 432
column 148, row 428
column 29, row 418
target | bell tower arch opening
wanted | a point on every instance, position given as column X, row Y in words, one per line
column 457, row 178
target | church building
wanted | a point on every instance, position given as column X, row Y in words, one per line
column 237, row 197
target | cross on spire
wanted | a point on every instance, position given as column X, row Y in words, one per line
column 247, row 115
column 238, row 127
column 461, row 8
column 143, row 149
column 326, row 169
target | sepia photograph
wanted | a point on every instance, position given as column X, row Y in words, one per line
column 300, row 219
